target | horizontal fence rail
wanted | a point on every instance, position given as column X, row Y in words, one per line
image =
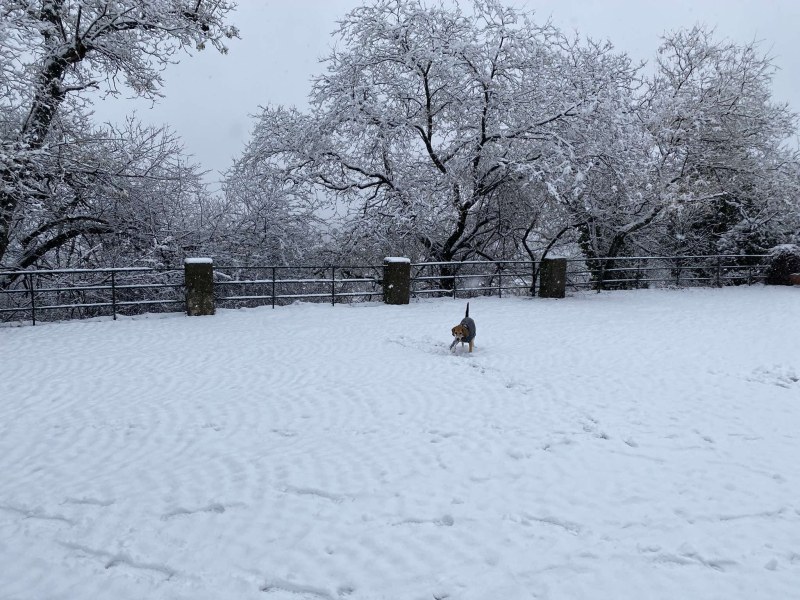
column 486, row 278
column 57, row 294
column 473, row 278
column 238, row 287
column 636, row 272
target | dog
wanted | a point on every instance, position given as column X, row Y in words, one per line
column 464, row 332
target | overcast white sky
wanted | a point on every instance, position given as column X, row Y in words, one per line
column 209, row 98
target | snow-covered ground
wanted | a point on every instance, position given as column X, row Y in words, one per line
column 624, row 445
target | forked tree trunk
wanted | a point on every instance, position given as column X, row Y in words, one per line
column 48, row 98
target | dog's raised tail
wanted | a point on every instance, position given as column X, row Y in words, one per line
column 466, row 315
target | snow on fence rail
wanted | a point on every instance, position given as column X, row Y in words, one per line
column 54, row 294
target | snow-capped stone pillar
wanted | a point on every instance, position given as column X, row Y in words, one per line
column 553, row 278
column 199, row 282
column 396, row 280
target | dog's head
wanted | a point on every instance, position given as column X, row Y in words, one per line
column 460, row 332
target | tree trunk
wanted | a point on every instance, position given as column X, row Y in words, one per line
column 48, row 98
column 8, row 205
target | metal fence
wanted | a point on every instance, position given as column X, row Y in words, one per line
column 488, row 278
column 237, row 287
column 473, row 278
column 80, row 293
column 636, row 272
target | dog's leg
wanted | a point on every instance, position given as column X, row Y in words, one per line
column 471, row 345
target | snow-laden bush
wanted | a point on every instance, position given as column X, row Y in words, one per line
column 783, row 261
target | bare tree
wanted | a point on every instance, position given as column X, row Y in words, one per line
column 425, row 114
column 109, row 196
column 724, row 168
column 696, row 161
column 267, row 221
column 53, row 50
column 448, row 134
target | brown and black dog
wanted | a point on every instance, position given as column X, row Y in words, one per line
column 464, row 332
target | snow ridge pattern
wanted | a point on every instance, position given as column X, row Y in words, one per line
column 622, row 445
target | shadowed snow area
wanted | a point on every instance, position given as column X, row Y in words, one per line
column 623, row 445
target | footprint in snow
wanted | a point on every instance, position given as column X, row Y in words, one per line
column 778, row 375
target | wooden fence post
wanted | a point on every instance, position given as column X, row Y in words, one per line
column 396, row 280
column 199, row 283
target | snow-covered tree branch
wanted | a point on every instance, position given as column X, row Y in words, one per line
column 51, row 50
column 425, row 113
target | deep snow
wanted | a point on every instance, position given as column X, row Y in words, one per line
column 622, row 445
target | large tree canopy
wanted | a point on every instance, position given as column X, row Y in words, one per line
column 724, row 166
column 447, row 133
column 425, row 114
column 436, row 130
column 51, row 51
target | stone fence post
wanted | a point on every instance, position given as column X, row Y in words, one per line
column 199, row 282
column 396, row 280
column 553, row 278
